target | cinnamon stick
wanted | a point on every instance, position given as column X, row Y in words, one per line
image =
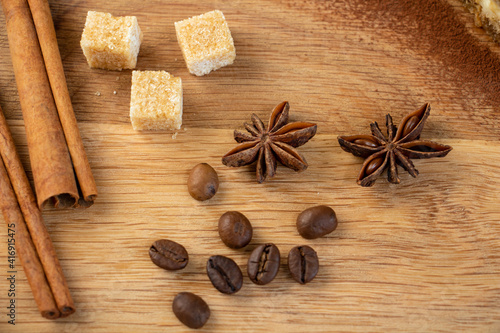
column 25, row 249
column 34, row 221
column 44, row 25
column 51, row 163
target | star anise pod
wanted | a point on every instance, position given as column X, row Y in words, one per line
column 268, row 145
column 401, row 145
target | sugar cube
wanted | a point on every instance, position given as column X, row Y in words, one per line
column 110, row 42
column 155, row 101
column 206, row 42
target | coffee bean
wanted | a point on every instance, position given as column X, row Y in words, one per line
column 235, row 230
column 303, row 263
column 316, row 221
column 203, row 182
column 168, row 254
column 224, row 274
column 191, row 309
column 263, row 264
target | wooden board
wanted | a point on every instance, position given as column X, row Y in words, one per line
column 419, row 256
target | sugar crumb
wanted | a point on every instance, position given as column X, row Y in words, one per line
column 97, row 93
column 114, row 92
column 174, row 136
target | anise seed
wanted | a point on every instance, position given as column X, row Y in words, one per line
column 268, row 145
column 366, row 142
column 410, row 125
column 373, row 165
column 399, row 147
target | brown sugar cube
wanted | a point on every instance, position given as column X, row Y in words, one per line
column 155, row 101
column 206, row 42
column 110, row 42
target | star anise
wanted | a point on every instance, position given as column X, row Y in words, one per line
column 401, row 145
column 268, row 145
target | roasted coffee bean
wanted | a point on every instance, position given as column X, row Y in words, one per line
column 191, row 309
column 168, row 254
column 263, row 264
column 203, row 182
column 303, row 264
column 235, row 230
column 373, row 165
column 316, row 221
column 224, row 274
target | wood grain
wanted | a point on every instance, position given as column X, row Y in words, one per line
column 419, row 256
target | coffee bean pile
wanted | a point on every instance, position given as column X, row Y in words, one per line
column 235, row 231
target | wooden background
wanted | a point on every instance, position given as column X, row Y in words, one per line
column 419, row 256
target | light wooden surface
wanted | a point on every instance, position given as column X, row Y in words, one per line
column 419, row 256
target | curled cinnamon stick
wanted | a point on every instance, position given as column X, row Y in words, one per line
column 51, row 163
column 44, row 25
column 34, row 221
column 25, row 249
